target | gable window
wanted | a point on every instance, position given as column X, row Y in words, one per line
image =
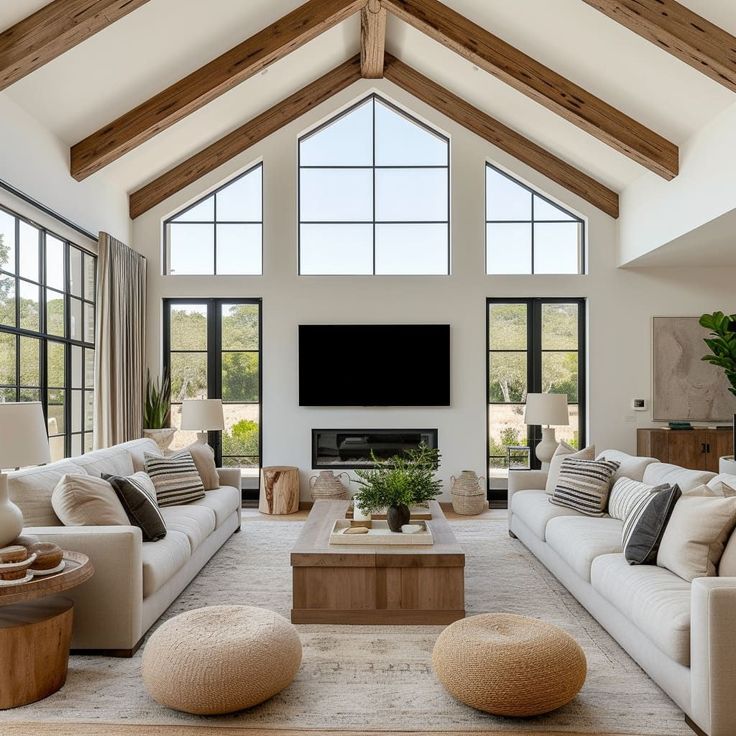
column 526, row 233
column 374, row 195
column 221, row 233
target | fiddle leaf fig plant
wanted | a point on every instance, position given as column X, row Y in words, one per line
column 722, row 343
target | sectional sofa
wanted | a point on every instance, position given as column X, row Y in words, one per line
column 682, row 634
column 134, row 581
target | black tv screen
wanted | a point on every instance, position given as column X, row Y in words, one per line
column 374, row 365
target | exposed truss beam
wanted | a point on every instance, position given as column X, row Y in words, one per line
column 53, row 30
column 244, row 137
column 540, row 83
column 207, row 83
column 372, row 39
column 684, row 34
column 501, row 136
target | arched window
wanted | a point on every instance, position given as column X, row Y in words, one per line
column 374, row 195
column 222, row 233
column 526, row 233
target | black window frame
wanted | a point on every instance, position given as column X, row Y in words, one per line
column 45, row 338
column 214, row 222
column 214, row 364
column 532, row 222
column 534, row 353
column 373, row 167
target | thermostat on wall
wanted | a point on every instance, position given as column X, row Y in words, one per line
column 639, row 404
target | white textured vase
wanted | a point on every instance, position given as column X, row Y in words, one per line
column 11, row 518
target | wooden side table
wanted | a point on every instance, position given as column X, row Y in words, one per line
column 35, row 634
column 279, row 490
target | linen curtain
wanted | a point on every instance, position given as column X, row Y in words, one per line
column 120, row 355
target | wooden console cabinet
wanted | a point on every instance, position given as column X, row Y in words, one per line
column 698, row 449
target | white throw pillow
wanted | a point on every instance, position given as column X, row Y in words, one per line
column 83, row 500
column 696, row 535
column 564, row 450
column 626, row 495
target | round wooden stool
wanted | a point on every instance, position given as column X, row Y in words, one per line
column 279, row 490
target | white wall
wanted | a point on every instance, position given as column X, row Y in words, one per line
column 620, row 302
column 37, row 163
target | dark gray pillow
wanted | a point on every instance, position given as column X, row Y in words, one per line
column 138, row 497
column 648, row 529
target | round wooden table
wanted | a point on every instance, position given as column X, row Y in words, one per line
column 35, row 634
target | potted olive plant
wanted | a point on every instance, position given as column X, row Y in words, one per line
column 397, row 483
column 157, row 411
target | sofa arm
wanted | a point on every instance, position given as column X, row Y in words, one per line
column 713, row 655
column 525, row 480
column 107, row 608
column 229, row 477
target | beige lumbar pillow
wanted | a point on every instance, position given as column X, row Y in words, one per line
column 83, row 500
column 696, row 535
column 564, row 450
column 204, row 459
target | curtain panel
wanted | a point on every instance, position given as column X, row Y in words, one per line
column 120, row 355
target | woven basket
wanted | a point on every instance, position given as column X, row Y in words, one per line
column 468, row 497
column 328, row 486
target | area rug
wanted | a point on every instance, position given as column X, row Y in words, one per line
column 376, row 678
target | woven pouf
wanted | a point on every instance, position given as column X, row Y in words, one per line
column 220, row 659
column 509, row 665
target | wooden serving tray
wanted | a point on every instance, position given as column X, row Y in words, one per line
column 379, row 534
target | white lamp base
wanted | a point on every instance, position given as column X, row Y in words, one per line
column 11, row 518
column 546, row 448
column 202, row 438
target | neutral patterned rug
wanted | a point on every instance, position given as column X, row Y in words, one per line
column 377, row 677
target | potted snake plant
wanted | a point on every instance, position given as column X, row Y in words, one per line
column 157, row 411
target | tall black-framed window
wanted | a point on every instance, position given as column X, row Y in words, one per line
column 212, row 349
column 47, row 329
column 374, row 194
column 221, row 233
column 528, row 233
column 534, row 345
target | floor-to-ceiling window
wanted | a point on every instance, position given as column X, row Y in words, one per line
column 534, row 345
column 47, row 329
column 212, row 349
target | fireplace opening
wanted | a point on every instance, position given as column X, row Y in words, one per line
column 353, row 448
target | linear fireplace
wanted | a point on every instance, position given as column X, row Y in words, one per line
column 352, row 448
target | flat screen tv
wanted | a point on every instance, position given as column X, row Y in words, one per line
column 374, row 365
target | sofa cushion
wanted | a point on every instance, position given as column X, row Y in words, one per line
column 137, row 449
column 627, row 495
column 655, row 600
column 83, row 500
column 658, row 473
column 112, row 461
column 716, row 484
column 204, row 459
column 163, row 559
column 630, row 466
column 645, row 526
column 584, row 485
column 176, row 478
column 197, row 522
column 224, row 501
column 564, row 450
column 138, row 497
column 535, row 510
column 31, row 490
column 579, row 540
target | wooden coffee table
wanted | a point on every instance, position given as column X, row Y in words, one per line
column 361, row 584
column 35, row 632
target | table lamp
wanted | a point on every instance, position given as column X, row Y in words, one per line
column 202, row 416
column 546, row 410
column 23, row 441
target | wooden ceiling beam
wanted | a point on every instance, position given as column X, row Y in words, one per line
column 684, row 34
column 501, row 136
column 244, row 137
column 542, row 84
column 372, row 39
column 53, row 30
column 207, row 83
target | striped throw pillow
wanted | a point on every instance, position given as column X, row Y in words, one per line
column 627, row 494
column 176, row 478
column 138, row 498
column 583, row 485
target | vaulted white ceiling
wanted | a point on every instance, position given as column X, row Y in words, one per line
column 164, row 40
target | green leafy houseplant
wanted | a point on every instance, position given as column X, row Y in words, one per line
column 157, row 407
column 722, row 343
column 401, row 481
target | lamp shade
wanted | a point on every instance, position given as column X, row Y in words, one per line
column 202, row 415
column 549, row 409
column 23, row 437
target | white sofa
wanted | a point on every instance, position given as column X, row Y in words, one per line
column 682, row 634
column 134, row 581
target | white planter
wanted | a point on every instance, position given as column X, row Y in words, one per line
column 162, row 437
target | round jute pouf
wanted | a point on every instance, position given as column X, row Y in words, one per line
column 220, row 659
column 509, row 665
